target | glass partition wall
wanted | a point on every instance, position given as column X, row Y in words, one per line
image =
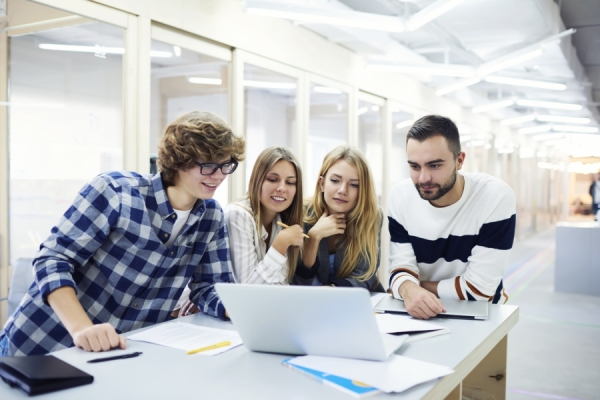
column 370, row 138
column 184, row 80
column 65, row 123
column 328, row 127
column 397, row 162
column 269, row 110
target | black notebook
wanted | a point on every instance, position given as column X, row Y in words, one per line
column 41, row 374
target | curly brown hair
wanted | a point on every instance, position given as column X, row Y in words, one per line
column 196, row 135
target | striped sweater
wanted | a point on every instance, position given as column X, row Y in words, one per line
column 464, row 246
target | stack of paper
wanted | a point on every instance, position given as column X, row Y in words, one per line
column 394, row 375
column 189, row 337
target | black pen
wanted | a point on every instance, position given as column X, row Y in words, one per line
column 131, row 355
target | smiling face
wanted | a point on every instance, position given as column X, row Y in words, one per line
column 340, row 187
column 433, row 168
column 191, row 185
column 278, row 189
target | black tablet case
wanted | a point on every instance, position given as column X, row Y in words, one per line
column 41, row 374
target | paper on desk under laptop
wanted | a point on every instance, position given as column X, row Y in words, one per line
column 393, row 375
column 188, row 337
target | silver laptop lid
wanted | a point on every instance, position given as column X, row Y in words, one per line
column 454, row 308
column 326, row 321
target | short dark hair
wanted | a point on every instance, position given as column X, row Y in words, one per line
column 436, row 125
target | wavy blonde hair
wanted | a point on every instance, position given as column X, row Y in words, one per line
column 294, row 214
column 363, row 221
column 194, row 136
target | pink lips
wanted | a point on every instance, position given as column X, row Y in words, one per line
column 339, row 200
column 278, row 201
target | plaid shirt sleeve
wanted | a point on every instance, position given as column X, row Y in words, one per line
column 214, row 267
column 81, row 231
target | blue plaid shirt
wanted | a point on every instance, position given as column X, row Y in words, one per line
column 110, row 247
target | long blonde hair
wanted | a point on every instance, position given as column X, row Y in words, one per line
column 363, row 221
column 294, row 214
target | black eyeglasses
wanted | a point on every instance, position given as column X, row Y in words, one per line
column 210, row 168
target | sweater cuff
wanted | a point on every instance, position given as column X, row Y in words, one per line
column 307, row 273
column 447, row 289
column 399, row 281
column 341, row 282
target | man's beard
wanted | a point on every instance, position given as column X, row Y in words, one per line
column 433, row 194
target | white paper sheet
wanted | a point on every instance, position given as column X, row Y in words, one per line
column 394, row 375
column 392, row 323
column 188, row 337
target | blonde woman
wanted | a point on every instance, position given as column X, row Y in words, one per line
column 343, row 222
column 262, row 251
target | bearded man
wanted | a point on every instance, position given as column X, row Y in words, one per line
column 451, row 233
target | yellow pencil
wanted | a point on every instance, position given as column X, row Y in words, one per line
column 286, row 226
column 212, row 347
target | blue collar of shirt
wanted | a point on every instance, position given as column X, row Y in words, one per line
column 162, row 200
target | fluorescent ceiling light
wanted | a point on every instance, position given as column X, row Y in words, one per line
column 97, row 49
column 580, row 129
column 270, row 85
column 459, row 71
column 547, row 136
column 374, row 108
column 566, row 120
column 457, row 85
column 362, row 110
column 82, row 49
column 518, row 120
column 493, row 106
column 525, row 82
column 493, row 66
column 177, row 51
column 327, row 89
column 205, row 81
column 536, row 129
column 465, row 138
column 354, row 19
column 404, row 124
column 549, row 104
column 431, row 12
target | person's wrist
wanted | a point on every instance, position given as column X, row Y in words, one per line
column 314, row 234
column 75, row 330
column 404, row 287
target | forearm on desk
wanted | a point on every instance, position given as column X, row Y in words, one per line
column 69, row 310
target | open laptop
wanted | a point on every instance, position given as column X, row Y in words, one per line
column 461, row 309
column 323, row 321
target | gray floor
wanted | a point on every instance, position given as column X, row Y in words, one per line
column 554, row 350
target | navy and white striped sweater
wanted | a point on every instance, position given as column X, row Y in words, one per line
column 464, row 246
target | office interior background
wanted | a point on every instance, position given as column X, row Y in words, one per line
column 89, row 86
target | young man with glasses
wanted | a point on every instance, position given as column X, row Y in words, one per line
column 451, row 233
column 123, row 252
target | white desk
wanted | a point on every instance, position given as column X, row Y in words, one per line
column 165, row 373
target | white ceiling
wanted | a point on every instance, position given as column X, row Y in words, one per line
column 478, row 31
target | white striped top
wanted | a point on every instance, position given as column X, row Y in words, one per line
column 252, row 263
column 465, row 246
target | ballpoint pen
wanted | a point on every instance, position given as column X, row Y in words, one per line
column 211, row 347
column 287, row 226
column 121, row 357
